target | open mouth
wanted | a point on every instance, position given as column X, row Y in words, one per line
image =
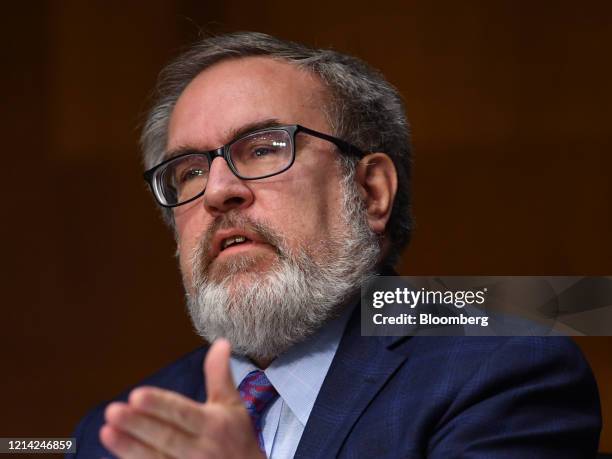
column 235, row 240
column 232, row 241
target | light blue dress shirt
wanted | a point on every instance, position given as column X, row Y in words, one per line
column 297, row 376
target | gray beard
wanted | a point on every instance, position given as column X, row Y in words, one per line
column 263, row 314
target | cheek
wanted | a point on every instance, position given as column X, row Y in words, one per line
column 305, row 207
column 189, row 226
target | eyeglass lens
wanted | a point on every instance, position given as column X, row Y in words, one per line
column 254, row 156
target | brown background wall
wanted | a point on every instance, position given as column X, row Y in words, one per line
column 510, row 104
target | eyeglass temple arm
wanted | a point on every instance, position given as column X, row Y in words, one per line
column 344, row 146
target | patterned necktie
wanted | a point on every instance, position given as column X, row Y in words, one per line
column 257, row 394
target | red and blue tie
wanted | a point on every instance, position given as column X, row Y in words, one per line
column 257, row 393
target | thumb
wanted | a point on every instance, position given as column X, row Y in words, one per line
column 219, row 382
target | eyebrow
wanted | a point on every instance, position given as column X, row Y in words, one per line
column 232, row 133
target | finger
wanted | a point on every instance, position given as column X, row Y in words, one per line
column 219, row 382
column 170, row 407
column 152, row 432
column 125, row 446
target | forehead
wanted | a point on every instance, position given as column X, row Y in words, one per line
column 238, row 92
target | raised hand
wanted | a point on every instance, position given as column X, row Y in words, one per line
column 157, row 423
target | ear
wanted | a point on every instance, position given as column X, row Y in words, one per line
column 376, row 178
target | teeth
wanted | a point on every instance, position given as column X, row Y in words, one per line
column 232, row 240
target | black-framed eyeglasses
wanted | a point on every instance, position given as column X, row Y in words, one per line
column 256, row 155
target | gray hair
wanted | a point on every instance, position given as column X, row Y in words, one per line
column 363, row 108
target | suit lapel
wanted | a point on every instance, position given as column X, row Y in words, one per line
column 361, row 367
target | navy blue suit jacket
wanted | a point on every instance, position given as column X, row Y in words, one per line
column 434, row 397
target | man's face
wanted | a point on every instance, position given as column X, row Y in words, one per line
column 307, row 241
column 301, row 204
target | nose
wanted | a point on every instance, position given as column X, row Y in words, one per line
column 225, row 191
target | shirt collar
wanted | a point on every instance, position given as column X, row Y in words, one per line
column 298, row 374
